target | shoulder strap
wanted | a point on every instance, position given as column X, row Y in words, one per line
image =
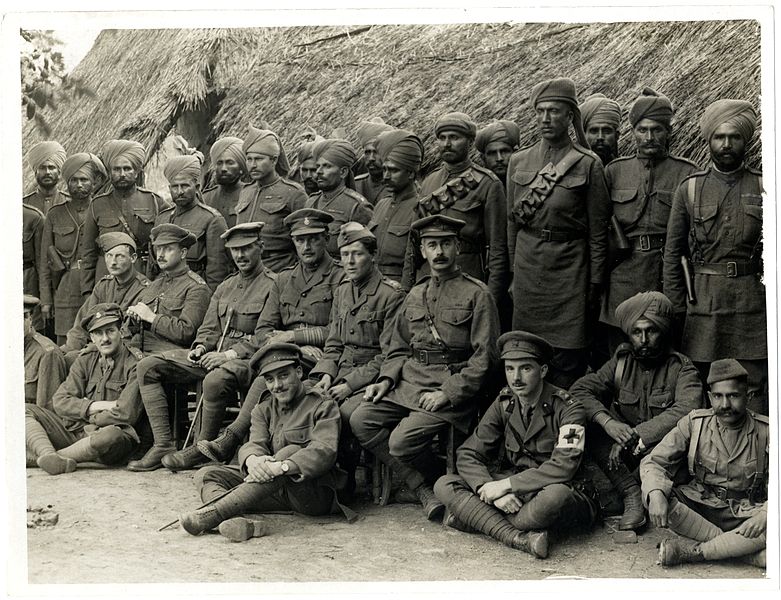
column 430, row 322
column 618, row 376
column 695, row 440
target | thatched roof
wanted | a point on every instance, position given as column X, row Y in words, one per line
column 331, row 77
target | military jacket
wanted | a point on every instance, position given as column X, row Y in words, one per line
column 224, row 199
column 361, row 322
column 305, row 433
column 649, row 398
column 207, row 256
column 242, row 299
column 393, row 214
column 466, row 318
column 545, row 452
column 344, row 205
column 271, row 204
column 723, row 458
column 32, row 231
column 301, row 302
column 106, row 213
column 91, row 379
column 44, row 370
column 367, row 188
column 43, row 202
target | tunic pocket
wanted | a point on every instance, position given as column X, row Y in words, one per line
column 299, row 436
column 658, row 403
column 624, row 206
column 106, row 222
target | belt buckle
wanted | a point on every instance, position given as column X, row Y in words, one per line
column 732, row 269
column 422, row 356
column 78, row 264
column 545, row 235
column 645, row 242
column 721, row 493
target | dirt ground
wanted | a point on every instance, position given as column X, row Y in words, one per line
column 115, row 513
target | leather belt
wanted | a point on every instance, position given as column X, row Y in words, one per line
column 727, row 269
column 438, row 357
column 725, row 494
column 647, row 242
column 362, row 355
column 549, row 235
column 72, row 265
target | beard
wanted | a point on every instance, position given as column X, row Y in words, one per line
column 311, row 187
column 604, row 152
column 227, row 179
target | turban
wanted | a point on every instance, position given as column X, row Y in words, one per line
column 265, row 141
column 229, row 147
column 188, row 166
column 76, row 162
column 500, row 131
column 456, row 121
column 44, row 151
column 401, row 147
column 369, row 130
column 738, row 113
column 338, row 152
column 600, row 109
column 653, row 306
column 305, row 151
column 561, row 89
column 114, row 149
column 307, row 134
column 651, row 105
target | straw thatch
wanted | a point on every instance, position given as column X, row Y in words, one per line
column 148, row 82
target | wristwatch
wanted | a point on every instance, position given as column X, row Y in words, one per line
column 285, row 467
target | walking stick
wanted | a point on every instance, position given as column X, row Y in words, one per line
column 212, row 501
column 200, row 400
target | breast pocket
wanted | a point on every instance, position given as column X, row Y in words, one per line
column 625, row 207
column 198, row 250
column 144, row 221
column 752, row 221
column 456, row 326
column 663, row 202
column 108, row 223
column 395, row 243
column 370, row 324
column 419, row 332
column 320, row 299
column 658, row 402
column 113, row 390
column 273, row 213
column 246, row 316
column 300, row 436
column 64, row 237
column 171, row 306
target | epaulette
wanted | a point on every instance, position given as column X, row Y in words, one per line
column 135, row 352
column 355, row 195
column 195, row 277
column 108, row 277
column 586, row 151
column 146, row 191
column 481, row 171
column 753, row 171
column 211, row 210
column 475, row 280
column 270, row 273
column 246, row 183
column 761, row 418
column 33, row 208
column 619, row 159
column 46, row 343
column 292, row 184
column 361, row 177
column 392, row 283
column 699, row 413
column 683, row 160
column 702, row 173
column 167, row 209
column 682, row 358
column 30, row 194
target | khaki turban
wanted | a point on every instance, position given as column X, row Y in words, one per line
column 500, row 131
column 337, row 152
column 78, row 161
column 265, row 141
column 188, row 166
column 229, row 147
column 651, row 105
column 305, row 151
column 132, row 151
column 456, row 121
column 653, row 306
column 44, row 151
column 600, row 109
column 401, row 147
column 738, row 113
column 369, row 130
column 561, row 89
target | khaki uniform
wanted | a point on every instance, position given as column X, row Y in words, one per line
column 271, row 204
column 390, row 223
column 224, row 199
column 43, row 202
column 32, row 231
column 44, row 370
column 343, row 205
column 367, row 188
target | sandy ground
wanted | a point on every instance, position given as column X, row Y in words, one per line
column 115, row 513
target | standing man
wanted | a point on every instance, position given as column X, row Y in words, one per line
column 722, row 512
column 401, row 153
column 334, row 158
column 230, row 167
column 370, row 184
column 602, row 125
column 125, row 207
column 716, row 221
column 517, row 472
column 496, row 143
column 206, row 256
column 442, row 347
column 32, row 231
column 44, row 364
column 270, row 198
column 636, row 397
column 46, row 160
column 641, row 188
column 60, row 276
column 559, row 210
column 463, row 190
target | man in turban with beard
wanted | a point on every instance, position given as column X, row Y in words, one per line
column 370, row 184
column 401, row 153
column 270, row 198
column 46, row 160
column 230, row 167
column 558, row 213
column 641, row 189
column 716, row 221
column 334, row 159
column 125, row 207
column 601, row 123
column 206, row 256
column 60, row 273
column 636, row 397
column 496, row 143
column 307, row 167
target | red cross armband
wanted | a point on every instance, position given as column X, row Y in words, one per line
column 572, row 436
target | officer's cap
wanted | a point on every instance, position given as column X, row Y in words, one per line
column 522, row 344
column 726, row 368
column 352, row 232
column 30, row 302
column 169, row 233
column 243, row 234
column 100, row 315
column 274, row 356
column 112, row 239
column 438, row 226
column 308, row 220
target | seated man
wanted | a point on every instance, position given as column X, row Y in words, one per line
column 96, row 407
column 44, row 363
column 443, row 345
column 637, row 397
column 219, row 355
column 289, row 461
column 722, row 511
column 517, row 472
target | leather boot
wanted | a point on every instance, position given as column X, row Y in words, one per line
column 80, row 451
column 634, row 513
column 531, row 542
column 450, row 520
column 152, row 459
column 240, row 529
column 433, row 508
column 221, row 449
column 677, row 552
column 201, row 520
column 184, row 459
column 54, row 464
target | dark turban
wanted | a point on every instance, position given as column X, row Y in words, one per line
column 369, row 130
column 188, row 165
column 653, row 306
column 651, row 105
column 500, row 131
column 43, row 151
column 132, row 151
column 337, row 152
column 401, row 147
column 456, row 121
column 600, row 109
column 229, row 147
column 76, row 162
column 561, row 89
column 265, row 141
column 738, row 113
column 305, row 151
